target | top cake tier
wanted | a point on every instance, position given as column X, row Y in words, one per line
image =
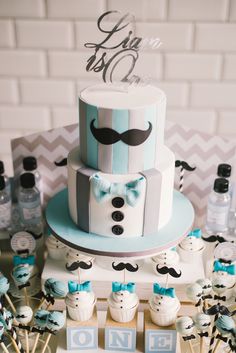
column 121, row 131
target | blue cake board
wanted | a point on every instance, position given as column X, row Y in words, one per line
column 62, row 227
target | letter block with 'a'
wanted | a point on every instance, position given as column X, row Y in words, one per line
column 159, row 339
column 82, row 335
column 120, row 336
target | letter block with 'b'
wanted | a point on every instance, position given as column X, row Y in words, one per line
column 120, row 336
column 159, row 339
column 82, row 335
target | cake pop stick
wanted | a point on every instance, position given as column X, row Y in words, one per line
column 24, row 316
column 185, row 327
column 202, row 323
column 21, row 276
column 6, row 318
column 40, row 319
column 5, row 350
column 55, row 322
column 4, row 287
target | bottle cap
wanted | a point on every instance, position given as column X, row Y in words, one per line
column 2, row 169
column 27, row 180
column 30, row 163
column 2, row 183
column 224, row 170
column 221, row 185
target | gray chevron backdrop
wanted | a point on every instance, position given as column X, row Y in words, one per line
column 198, row 149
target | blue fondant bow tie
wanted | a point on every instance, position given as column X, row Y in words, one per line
column 76, row 287
column 17, row 260
column 197, row 233
column 169, row 292
column 229, row 269
column 117, row 287
column 103, row 189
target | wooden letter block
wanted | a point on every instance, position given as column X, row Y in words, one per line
column 159, row 339
column 82, row 335
column 120, row 336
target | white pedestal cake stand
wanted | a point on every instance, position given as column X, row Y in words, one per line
column 62, row 227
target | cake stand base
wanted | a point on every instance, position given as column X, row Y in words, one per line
column 62, row 227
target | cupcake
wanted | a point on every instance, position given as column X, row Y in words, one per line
column 163, row 305
column 168, row 258
column 75, row 260
column 191, row 248
column 80, row 301
column 56, row 249
column 123, row 302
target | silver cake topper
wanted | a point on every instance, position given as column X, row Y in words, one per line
column 108, row 57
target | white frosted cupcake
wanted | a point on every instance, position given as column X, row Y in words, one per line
column 75, row 260
column 163, row 305
column 56, row 249
column 168, row 257
column 123, row 302
column 191, row 248
column 80, row 301
column 222, row 282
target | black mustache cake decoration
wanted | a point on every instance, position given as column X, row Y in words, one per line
column 168, row 270
column 125, row 266
column 79, row 264
column 107, row 136
column 183, row 165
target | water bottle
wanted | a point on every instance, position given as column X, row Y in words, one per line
column 218, row 207
column 7, row 180
column 30, row 165
column 5, row 205
column 29, row 201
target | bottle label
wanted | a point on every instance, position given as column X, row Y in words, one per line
column 31, row 212
column 217, row 215
column 5, row 215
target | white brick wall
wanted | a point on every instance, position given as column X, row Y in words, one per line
column 43, row 58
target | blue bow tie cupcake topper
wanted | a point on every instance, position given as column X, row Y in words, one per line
column 168, row 292
column 230, row 269
column 75, row 287
column 118, row 287
column 196, row 233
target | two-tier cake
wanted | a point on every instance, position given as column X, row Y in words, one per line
column 121, row 177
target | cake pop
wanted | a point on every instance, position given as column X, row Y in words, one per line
column 55, row 322
column 185, row 326
column 123, row 302
column 206, row 285
column 21, row 275
column 226, row 327
column 24, row 315
column 55, row 288
column 80, row 301
column 163, row 305
column 40, row 320
column 4, row 287
column 194, row 293
column 202, row 323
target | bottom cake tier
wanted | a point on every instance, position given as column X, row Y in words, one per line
column 127, row 205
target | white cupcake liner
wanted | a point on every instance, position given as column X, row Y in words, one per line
column 123, row 315
column 189, row 256
column 164, row 319
column 57, row 253
column 81, row 314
